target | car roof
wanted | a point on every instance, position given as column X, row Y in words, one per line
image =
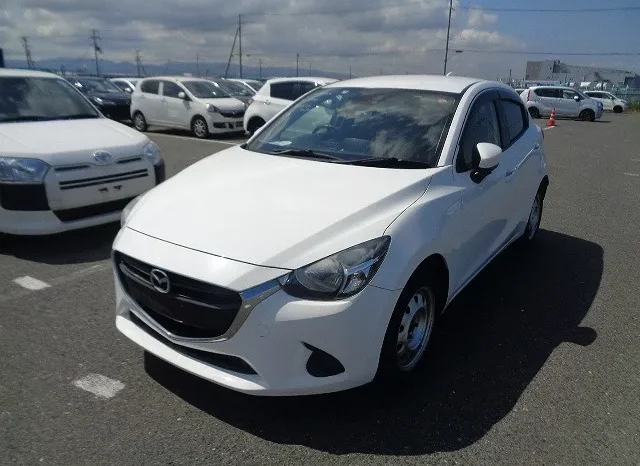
column 176, row 78
column 307, row 79
column 18, row 73
column 453, row 84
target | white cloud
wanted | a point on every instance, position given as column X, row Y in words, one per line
column 478, row 18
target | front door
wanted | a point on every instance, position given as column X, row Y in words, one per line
column 568, row 106
column 177, row 110
column 479, row 229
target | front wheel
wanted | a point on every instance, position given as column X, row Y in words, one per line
column 410, row 328
column 200, row 128
column 255, row 124
column 617, row 109
column 139, row 122
column 588, row 115
column 533, row 223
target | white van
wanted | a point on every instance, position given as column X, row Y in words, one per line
column 63, row 165
column 185, row 103
column 609, row 101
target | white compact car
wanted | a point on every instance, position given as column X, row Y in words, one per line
column 185, row 103
column 64, row 166
column 274, row 96
column 567, row 102
column 321, row 253
column 609, row 101
column 127, row 85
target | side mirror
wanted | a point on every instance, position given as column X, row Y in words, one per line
column 576, row 98
column 128, row 90
column 182, row 95
column 486, row 158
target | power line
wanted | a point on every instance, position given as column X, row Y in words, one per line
column 551, row 10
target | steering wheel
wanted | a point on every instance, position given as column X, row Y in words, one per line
column 328, row 128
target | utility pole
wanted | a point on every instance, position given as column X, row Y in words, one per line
column 446, row 50
column 510, row 82
column 260, row 61
column 309, row 68
column 240, row 41
column 27, row 52
column 139, row 65
column 226, row 71
column 297, row 63
column 349, row 72
column 96, row 49
column 197, row 65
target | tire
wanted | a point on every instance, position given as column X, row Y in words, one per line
column 533, row 222
column 255, row 124
column 617, row 109
column 588, row 115
column 410, row 328
column 534, row 112
column 199, row 128
column 140, row 122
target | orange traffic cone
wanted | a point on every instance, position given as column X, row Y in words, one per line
column 552, row 119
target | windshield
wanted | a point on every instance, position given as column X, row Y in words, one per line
column 234, row 89
column 353, row 124
column 255, row 85
column 204, row 89
column 36, row 99
column 101, row 86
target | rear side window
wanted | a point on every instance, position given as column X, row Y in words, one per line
column 305, row 87
column 547, row 92
column 481, row 126
column 150, row 87
column 516, row 120
column 283, row 90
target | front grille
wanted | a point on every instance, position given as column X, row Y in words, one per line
column 106, row 179
column 223, row 361
column 23, row 197
column 232, row 113
column 191, row 308
column 79, row 213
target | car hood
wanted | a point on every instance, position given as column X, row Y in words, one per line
column 225, row 103
column 62, row 142
column 275, row 211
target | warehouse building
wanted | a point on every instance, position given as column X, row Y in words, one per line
column 584, row 76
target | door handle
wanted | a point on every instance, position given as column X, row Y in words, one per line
column 267, row 102
column 537, row 146
column 509, row 175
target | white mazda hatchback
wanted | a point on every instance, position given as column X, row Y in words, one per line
column 320, row 254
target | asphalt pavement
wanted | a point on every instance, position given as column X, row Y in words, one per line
column 535, row 363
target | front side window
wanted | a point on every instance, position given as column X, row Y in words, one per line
column 515, row 118
column 568, row 94
column 40, row 99
column 170, row 89
column 204, row 89
column 150, row 87
column 357, row 125
column 481, row 126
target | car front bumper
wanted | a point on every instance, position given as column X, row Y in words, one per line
column 281, row 339
column 219, row 124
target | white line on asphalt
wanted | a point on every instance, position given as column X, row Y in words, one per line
column 60, row 280
column 99, row 385
column 632, row 174
column 175, row 136
column 31, row 283
column 547, row 128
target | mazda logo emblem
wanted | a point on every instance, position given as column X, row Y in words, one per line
column 160, row 281
column 102, row 158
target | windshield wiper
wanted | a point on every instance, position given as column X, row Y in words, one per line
column 26, row 118
column 78, row 116
column 308, row 153
column 388, row 162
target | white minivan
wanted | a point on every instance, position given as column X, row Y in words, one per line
column 566, row 101
column 322, row 252
column 609, row 101
column 185, row 103
column 63, row 165
column 274, row 96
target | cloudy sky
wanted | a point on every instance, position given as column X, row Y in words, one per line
column 392, row 36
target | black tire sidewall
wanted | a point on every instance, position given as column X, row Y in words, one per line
column 255, row 125
column 526, row 236
column 193, row 124
column 388, row 369
column 144, row 126
column 534, row 112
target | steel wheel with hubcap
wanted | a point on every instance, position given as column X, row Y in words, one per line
column 415, row 328
column 139, row 122
column 200, row 128
column 535, row 217
column 588, row 115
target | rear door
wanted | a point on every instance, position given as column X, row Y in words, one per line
column 547, row 98
column 149, row 102
column 177, row 110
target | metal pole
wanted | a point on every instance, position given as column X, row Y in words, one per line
column 197, row 65
column 260, row 61
column 297, row 61
column 96, row 49
column 446, row 50
column 240, row 41
column 226, row 71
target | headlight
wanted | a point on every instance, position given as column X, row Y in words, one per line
column 22, row 170
column 127, row 210
column 152, row 152
column 212, row 109
column 338, row 276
